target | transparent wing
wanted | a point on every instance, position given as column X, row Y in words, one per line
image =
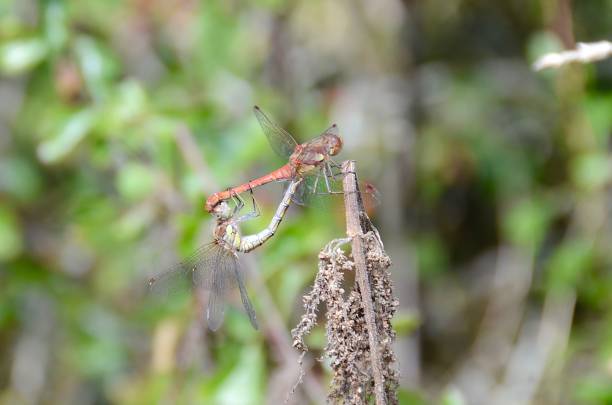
column 180, row 278
column 332, row 130
column 212, row 267
column 216, row 271
column 311, row 188
column 215, row 311
column 304, row 193
column 280, row 140
column 246, row 302
column 315, row 190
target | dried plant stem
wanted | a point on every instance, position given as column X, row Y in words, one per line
column 354, row 209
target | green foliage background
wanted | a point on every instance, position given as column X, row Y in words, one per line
column 117, row 119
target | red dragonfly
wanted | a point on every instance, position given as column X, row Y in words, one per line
column 311, row 159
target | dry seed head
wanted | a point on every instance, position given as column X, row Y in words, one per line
column 347, row 336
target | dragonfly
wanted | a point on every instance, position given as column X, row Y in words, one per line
column 310, row 160
column 215, row 266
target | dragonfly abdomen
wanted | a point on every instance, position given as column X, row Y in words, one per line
column 251, row 242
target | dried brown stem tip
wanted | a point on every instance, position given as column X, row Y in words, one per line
column 359, row 333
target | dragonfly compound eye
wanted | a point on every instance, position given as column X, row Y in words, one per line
column 335, row 145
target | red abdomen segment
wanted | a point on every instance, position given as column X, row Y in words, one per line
column 285, row 172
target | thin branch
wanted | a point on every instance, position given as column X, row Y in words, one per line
column 584, row 53
column 355, row 225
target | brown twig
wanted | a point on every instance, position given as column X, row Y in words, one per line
column 356, row 228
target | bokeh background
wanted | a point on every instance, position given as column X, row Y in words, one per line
column 117, row 119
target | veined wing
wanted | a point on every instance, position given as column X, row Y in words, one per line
column 332, row 130
column 179, row 278
column 313, row 189
column 246, row 302
column 280, row 140
column 212, row 267
column 226, row 274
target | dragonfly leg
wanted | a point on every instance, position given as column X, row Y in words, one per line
column 328, row 174
column 316, row 183
column 334, row 165
column 255, row 211
column 326, row 177
column 239, row 203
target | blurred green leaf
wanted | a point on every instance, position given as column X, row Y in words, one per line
column 127, row 105
column 10, row 234
column 72, row 133
column 526, row 222
column 243, row 385
column 406, row 397
column 97, row 349
column 431, row 256
column 317, row 339
column 97, row 65
column 56, row 31
column 21, row 55
column 19, row 178
column 237, row 324
column 136, row 181
column 404, row 323
column 597, row 108
column 136, row 219
column 591, row 171
column 568, row 263
column 453, row 396
column 594, row 391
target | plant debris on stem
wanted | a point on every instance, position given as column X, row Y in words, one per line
column 358, row 322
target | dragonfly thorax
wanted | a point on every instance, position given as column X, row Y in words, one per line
column 227, row 234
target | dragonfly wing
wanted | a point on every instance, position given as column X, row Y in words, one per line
column 280, row 140
column 179, row 278
column 213, row 268
column 246, row 302
column 213, row 276
column 216, row 309
column 303, row 192
column 332, row 130
column 225, row 273
column 314, row 191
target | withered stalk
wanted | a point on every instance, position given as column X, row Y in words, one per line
column 355, row 229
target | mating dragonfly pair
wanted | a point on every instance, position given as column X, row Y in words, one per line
column 215, row 266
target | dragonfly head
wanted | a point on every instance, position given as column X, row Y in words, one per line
column 334, row 144
column 332, row 140
column 222, row 210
